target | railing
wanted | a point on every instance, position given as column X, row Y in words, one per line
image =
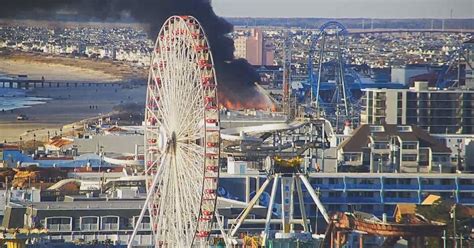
column 400, row 200
column 144, row 226
column 109, row 226
column 363, row 186
column 89, row 227
column 330, row 200
column 438, row 187
column 466, row 187
column 401, row 186
column 329, row 186
column 466, row 200
column 354, row 199
column 59, row 227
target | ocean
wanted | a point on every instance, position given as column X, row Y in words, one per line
column 16, row 98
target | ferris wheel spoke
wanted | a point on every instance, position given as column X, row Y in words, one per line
column 189, row 198
column 192, row 127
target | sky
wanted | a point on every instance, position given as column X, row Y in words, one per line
column 346, row 8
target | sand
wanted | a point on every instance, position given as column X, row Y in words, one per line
column 68, row 105
column 54, row 72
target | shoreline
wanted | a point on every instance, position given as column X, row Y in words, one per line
column 67, row 106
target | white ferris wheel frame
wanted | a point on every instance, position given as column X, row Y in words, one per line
column 182, row 146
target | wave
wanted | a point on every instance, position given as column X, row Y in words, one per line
column 11, row 99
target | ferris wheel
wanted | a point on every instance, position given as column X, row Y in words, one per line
column 181, row 137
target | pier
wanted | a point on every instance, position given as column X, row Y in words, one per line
column 28, row 84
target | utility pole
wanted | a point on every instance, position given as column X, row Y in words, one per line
column 453, row 215
column 287, row 76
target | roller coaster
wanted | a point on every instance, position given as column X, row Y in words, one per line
column 332, row 84
column 333, row 89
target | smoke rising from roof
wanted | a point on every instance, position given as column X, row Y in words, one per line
column 236, row 77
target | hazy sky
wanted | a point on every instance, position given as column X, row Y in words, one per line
column 346, row 8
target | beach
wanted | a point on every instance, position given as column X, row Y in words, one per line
column 63, row 105
column 67, row 105
column 53, row 72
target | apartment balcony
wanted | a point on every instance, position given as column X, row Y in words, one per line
column 466, row 201
column 339, row 186
column 331, row 200
column 466, row 187
column 364, row 200
column 59, row 227
column 397, row 200
column 109, row 226
column 144, row 226
column 89, row 227
column 364, row 186
column 430, row 187
column 401, row 187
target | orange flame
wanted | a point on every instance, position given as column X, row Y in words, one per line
column 258, row 103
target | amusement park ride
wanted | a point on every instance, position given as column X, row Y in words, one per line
column 183, row 141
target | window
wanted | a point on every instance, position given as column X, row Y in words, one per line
column 110, row 223
column 409, row 157
column 404, row 129
column 352, row 157
column 59, row 223
column 404, row 194
column 377, row 129
column 144, row 224
column 381, row 145
column 335, row 194
column 409, row 145
column 441, row 158
column 89, row 223
column 404, row 181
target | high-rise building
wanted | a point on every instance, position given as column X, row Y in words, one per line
column 254, row 49
column 380, row 106
column 436, row 111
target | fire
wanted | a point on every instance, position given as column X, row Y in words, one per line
column 260, row 102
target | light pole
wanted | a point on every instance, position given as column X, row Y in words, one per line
column 453, row 216
column 394, row 149
column 379, row 167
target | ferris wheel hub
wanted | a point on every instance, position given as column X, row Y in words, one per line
column 172, row 142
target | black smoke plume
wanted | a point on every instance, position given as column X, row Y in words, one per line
column 236, row 77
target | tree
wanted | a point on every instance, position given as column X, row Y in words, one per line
column 444, row 211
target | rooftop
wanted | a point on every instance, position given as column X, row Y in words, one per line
column 360, row 138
